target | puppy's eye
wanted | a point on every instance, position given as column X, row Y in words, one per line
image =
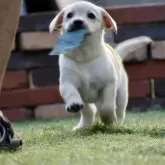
column 91, row 16
column 69, row 15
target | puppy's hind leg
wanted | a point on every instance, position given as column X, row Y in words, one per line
column 87, row 118
column 122, row 100
column 108, row 105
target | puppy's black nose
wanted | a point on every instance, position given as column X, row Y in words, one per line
column 77, row 25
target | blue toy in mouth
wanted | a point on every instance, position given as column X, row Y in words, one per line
column 68, row 41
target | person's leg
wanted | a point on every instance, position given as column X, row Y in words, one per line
column 9, row 17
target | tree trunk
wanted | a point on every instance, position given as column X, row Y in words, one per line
column 9, row 17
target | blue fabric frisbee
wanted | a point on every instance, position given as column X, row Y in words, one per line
column 68, row 41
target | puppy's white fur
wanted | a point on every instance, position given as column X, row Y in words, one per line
column 94, row 72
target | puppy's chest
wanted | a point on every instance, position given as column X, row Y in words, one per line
column 90, row 83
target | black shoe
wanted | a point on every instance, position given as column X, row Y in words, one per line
column 8, row 139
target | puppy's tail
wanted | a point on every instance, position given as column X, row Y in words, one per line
column 128, row 46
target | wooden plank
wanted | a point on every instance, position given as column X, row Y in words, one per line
column 139, row 104
column 145, row 70
column 30, row 60
column 159, row 85
column 123, row 15
column 40, row 40
column 52, row 111
column 135, row 14
column 20, row 113
column 155, row 31
column 30, row 97
column 45, row 77
column 15, row 80
column 160, row 102
column 35, row 22
column 145, row 104
column 139, row 89
column 158, row 50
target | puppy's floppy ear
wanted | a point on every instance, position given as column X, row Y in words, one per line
column 56, row 23
column 109, row 22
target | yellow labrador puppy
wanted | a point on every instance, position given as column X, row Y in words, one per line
column 94, row 72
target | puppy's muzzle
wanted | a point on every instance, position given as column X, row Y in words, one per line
column 77, row 25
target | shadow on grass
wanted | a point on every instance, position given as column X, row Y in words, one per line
column 154, row 132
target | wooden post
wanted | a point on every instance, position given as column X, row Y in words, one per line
column 9, row 17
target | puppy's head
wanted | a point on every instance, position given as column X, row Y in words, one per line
column 82, row 15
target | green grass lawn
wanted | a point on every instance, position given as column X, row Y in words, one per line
column 140, row 141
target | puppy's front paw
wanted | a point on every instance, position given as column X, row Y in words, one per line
column 74, row 107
